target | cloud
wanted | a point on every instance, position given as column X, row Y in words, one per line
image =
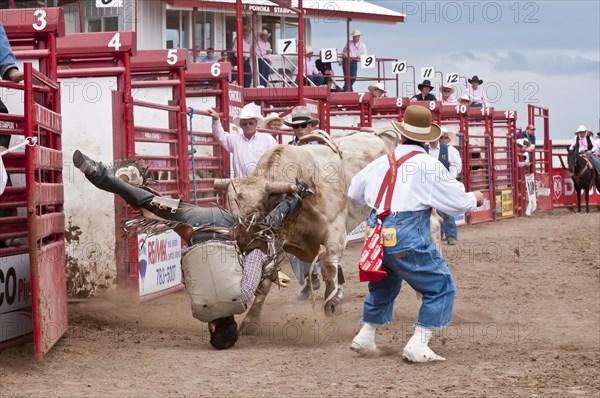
column 552, row 65
column 462, row 56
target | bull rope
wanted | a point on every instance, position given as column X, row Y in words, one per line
column 191, row 116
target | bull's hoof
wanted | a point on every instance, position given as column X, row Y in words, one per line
column 250, row 328
column 333, row 307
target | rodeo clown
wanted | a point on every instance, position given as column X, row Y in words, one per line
column 218, row 288
column 409, row 255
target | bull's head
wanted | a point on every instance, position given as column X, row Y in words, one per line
column 248, row 195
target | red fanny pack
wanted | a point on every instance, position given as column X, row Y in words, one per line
column 371, row 258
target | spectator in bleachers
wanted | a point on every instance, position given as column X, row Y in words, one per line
column 425, row 92
column 247, row 148
column 327, row 72
column 530, row 135
column 447, row 155
column 377, row 90
column 310, row 69
column 476, row 94
column 263, row 55
column 464, row 100
column 273, row 122
column 357, row 48
column 210, row 56
column 448, row 97
column 246, row 48
column 8, row 62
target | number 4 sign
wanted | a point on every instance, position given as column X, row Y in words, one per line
column 109, row 3
column 367, row 61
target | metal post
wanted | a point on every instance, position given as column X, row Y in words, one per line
column 300, row 54
column 347, row 59
column 194, row 55
column 239, row 27
column 80, row 16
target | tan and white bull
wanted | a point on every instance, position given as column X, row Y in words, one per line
column 326, row 216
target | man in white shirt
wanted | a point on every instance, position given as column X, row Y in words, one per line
column 408, row 253
column 475, row 93
column 354, row 51
column 247, row 148
column 310, row 68
column 447, row 155
column 263, row 55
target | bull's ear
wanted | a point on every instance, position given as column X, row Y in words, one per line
column 221, row 183
column 273, row 187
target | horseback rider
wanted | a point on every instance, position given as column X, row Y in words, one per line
column 584, row 144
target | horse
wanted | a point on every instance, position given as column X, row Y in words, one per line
column 584, row 176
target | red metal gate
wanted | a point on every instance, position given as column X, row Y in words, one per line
column 42, row 163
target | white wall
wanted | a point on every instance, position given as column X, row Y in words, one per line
column 151, row 25
column 89, row 212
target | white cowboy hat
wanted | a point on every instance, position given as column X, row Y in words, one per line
column 451, row 88
column 300, row 115
column 581, row 129
column 309, row 50
column 451, row 134
column 417, row 125
column 355, row 32
column 377, row 86
column 464, row 97
column 523, row 142
column 250, row 111
column 265, row 32
column 269, row 118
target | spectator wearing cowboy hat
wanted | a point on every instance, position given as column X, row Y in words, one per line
column 448, row 97
column 447, row 155
column 263, row 54
column 246, row 49
column 530, row 135
column 301, row 121
column 273, row 122
column 464, row 100
column 247, row 148
column 351, row 53
column 425, row 92
column 377, row 90
column 408, row 254
column 476, row 93
column 310, row 69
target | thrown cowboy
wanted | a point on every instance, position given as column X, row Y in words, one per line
column 214, row 300
column 408, row 252
column 247, row 148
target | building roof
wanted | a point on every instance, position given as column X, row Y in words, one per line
column 355, row 9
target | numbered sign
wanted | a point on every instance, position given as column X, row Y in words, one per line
column 286, row 46
column 452, row 78
column 329, row 55
column 427, row 72
column 399, row 67
column 109, row 3
column 367, row 61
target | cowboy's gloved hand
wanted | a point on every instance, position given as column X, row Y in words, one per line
column 304, row 189
column 281, row 279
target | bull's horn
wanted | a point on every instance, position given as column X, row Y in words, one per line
column 221, row 183
column 280, row 187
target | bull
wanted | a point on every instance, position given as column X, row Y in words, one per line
column 326, row 216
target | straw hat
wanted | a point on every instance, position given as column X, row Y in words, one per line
column 377, row 86
column 451, row 134
column 523, row 142
column 464, row 97
column 581, row 129
column 270, row 117
column 417, row 125
column 250, row 111
column 309, row 50
column 300, row 115
column 451, row 88
column 265, row 32
column 355, row 32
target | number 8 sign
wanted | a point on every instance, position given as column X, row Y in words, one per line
column 329, row 55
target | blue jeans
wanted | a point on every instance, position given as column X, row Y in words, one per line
column 476, row 105
column 247, row 73
column 416, row 260
column 353, row 72
column 265, row 71
column 595, row 161
column 7, row 58
column 449, row 230
column 300, row 269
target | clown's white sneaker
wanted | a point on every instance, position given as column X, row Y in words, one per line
column 420, row 354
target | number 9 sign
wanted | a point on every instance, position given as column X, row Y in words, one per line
column 367, row 61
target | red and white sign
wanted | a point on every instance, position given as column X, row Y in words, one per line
column 564, row 190
column 15, row 297
column 159, row 262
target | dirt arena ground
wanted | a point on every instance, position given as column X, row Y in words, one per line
column 526, row 324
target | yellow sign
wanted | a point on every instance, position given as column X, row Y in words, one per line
column 389, row 236
column 507, row 203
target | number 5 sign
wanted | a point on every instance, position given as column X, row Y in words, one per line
column 109, row 3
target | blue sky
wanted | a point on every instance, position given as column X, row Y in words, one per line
column 546, row 53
